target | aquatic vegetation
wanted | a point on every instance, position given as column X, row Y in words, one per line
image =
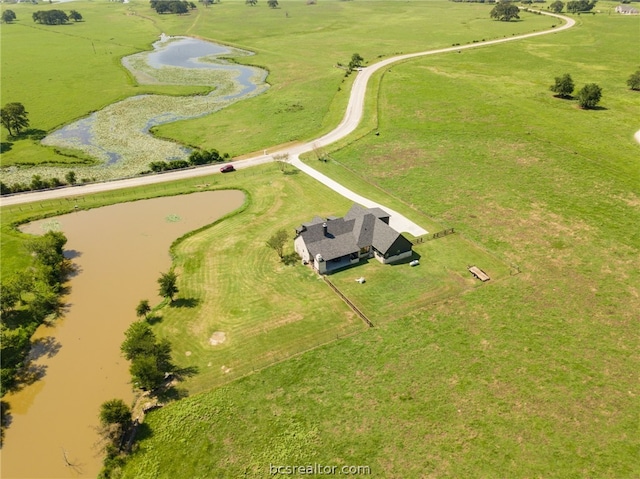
column 118, row 135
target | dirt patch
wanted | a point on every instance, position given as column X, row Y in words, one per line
column 217, row 338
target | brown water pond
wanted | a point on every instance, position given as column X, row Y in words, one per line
column 119, row 251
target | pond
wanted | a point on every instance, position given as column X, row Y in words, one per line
column 119, row 251
column 118, row 135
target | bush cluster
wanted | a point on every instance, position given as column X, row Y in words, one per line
column 39, row 183
column 196, row 158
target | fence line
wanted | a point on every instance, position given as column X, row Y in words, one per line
column 349, row 303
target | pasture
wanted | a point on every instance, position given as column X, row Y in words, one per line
column 300, row 45
column 534, row 374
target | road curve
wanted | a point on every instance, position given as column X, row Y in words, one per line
column 350, row 121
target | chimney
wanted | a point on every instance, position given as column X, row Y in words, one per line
column 324, row 228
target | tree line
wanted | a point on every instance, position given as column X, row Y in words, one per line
column 55, row 17
column 196, row 158
column 30, row 298
column 178, row 7
column 38, row 183
column 270, row 3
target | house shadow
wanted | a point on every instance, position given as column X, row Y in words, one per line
column 415, row 256
column 185, row 303
column 350, row 266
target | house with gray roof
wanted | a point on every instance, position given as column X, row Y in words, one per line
column 626, row 10
column 333, row 243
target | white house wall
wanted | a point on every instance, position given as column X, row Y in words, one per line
column 392, row 259
column 301, row 249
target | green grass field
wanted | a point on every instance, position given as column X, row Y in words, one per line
column 531, row 375
column 308, row 93
column 534, row 375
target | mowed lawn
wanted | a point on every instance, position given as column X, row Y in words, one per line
column 533, row 375
column 268, row 309
column 231, row 283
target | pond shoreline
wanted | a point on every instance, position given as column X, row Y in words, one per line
column 119, row 258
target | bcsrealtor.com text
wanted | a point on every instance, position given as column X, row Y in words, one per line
column 318, row 470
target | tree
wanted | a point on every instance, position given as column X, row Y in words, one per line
column 634, row 81
column 557, row 6
column 115, row 411
column 70, row 177
column 282, row 160
column 251, row 2
column 8, row 16
column 145, row 372
column 272, row 3
column 10, row 295
column 576, row 6
column 75, row 16
column 143, row 308
column 505, row 11
column 50, row 264
column 168, row 285
column 139, row 341
column 173, row 6
column 13, row 117
column 563, row 87
column 178, row 7
column 150, row 359
column 204, row 157
column 50, row 17
column 277, row 242
column 44, row 302
column 589, row 96
column 356, row 61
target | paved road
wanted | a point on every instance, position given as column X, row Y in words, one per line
column 349, row 123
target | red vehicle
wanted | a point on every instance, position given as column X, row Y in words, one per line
column 227, row 168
